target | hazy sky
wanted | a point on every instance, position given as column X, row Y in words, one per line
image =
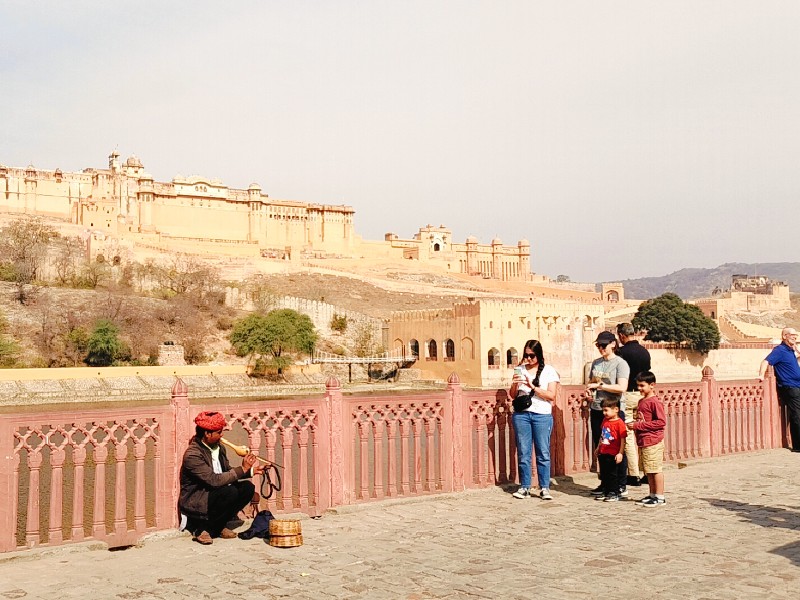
column 622, row 139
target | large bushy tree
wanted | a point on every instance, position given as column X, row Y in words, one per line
column 104, row 345
column 277, row 336
column 670, row 319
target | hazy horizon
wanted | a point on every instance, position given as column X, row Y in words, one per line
column 624, row 139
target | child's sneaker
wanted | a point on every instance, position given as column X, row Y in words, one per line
column 623, row 493
column 545, row 494
column 612, row 498
column 645, row 499
column 602, row 497
column 521, row 493
column 654, row 501
column 598, row 491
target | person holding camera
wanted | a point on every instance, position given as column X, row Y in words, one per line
column 608, row 380
column 533, row 390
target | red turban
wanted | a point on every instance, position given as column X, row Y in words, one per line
column 210, row 421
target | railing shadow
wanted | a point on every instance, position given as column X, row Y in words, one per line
column 567, row 485
column 766, row 516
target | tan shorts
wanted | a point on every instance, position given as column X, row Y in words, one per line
column 651, row 458
column 631, row 403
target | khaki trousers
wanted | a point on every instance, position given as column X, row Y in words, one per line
column 631, row 451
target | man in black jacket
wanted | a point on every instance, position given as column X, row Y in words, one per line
column 212, row 492
column 638, row 359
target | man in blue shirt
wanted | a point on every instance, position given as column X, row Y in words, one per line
column 783, row 359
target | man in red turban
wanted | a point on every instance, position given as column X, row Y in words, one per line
column 212, row 492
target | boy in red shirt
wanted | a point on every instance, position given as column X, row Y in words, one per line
column 649, row 429
column 610, row 452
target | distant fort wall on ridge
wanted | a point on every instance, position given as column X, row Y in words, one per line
column 202, row 215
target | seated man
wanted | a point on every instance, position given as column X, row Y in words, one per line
column 212, row 492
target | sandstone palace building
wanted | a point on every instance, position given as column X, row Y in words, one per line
column 124, row 201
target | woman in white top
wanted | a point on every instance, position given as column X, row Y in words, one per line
column 533, row 424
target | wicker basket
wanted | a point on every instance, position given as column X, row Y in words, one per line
column 283, row 527
column 286, row 541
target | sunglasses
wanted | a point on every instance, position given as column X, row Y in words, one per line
column 528, row 356
column 602, row 345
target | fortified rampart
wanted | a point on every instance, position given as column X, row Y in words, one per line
column 199, row 214
column 747, row 294
column 482, row 339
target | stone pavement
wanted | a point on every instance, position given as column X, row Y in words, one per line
column 730, row 529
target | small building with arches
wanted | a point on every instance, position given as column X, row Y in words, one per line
column 482, row 339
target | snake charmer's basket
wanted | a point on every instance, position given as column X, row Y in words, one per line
column 285, row 533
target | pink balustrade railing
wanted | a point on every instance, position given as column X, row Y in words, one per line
column 112, row 474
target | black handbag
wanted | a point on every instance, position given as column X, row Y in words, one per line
column 522, row 402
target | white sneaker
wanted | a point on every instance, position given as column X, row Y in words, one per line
column 544, row 494
column 521, row 493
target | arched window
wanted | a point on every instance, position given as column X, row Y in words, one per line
column 612, row 296
column 512, row 358
column 509, row 324
column 449, row 350
column 413, row 346
column 494, row 358
column 399, row 345
column 431, row 350
column 529, row 324
column 491, row 324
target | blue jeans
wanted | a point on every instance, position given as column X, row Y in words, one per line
column 532, row 429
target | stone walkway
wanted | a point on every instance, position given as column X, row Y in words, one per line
column 730, row 529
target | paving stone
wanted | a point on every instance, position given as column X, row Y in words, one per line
column 728, row 530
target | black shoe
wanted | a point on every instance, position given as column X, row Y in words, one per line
column 634, row 481
column 598, row 491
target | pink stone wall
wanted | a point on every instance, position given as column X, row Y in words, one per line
column 112, row 474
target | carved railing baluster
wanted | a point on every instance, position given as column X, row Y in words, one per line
column 32, row 537
column 79, row 459
column 139, row 521
column 391, row 434
column 99, row 509
column 54, row 533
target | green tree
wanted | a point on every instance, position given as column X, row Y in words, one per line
column 104, row 346
column 276, row 336
column 339, row 323
column 669, row 319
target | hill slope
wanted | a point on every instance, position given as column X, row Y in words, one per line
column 697, row 283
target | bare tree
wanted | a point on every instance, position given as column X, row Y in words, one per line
column 23, row 245
column 70, row 253
column 260, row 293
column 94, row 274
column 9, row 349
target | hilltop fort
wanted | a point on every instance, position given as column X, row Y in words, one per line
column 497, row 302
column 204, row 215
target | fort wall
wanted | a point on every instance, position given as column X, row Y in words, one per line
column 486, row 337
column 203, row 213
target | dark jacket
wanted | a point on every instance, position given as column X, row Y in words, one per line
column 198, row 478
column 638, row 359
